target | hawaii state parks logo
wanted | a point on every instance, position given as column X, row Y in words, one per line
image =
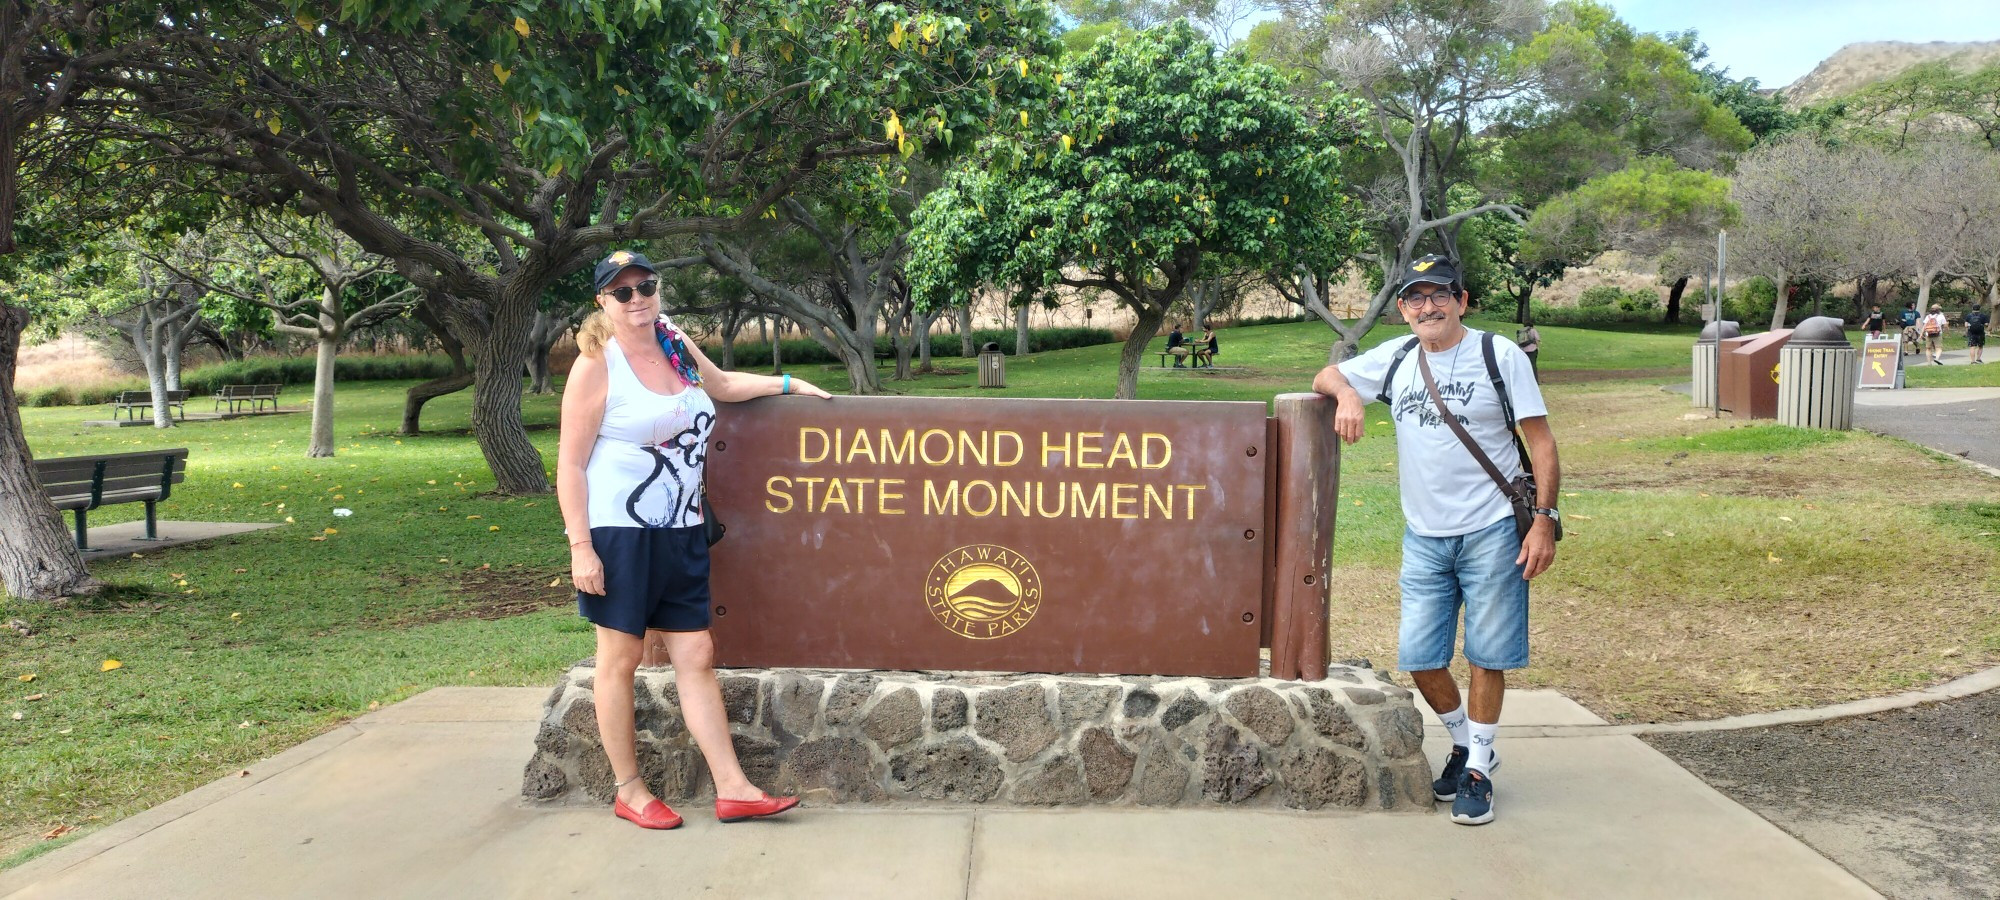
column 983, row 591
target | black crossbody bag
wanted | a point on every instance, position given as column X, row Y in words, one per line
column 1520, row 492
column 713, row 529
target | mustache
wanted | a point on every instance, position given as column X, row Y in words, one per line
column 1431, row 317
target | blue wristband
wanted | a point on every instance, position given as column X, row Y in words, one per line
column 787, row 387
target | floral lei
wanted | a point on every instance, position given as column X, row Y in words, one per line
column 677, row 353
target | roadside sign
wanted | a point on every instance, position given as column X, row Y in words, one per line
column 1882, row 362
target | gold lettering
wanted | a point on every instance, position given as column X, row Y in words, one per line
column 778, row 487
column 1190, row 489
column 1146, row 445
column 1042, row 509
column 1122, row 448
column 1003, row 437
column 1083, row 450
column 1048, row 448
column 970, row 449
column 924, row 447
column 1164, row 500
column 1121, row 496
column 936, row 504
column 899, row 454
column 812, row 486
column 835, row 493
column 860, row 447
column 825, row 444
column 883, row 496
column 1009, row 498
column 1090, row 509
column 972, row 508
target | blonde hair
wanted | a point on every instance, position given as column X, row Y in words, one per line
column 590, row 336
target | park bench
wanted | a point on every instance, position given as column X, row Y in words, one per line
column 129, row 402
column 83, row 483
column 235, row 395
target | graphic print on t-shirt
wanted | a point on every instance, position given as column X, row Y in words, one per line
column 1416, row 400
column 684, row 452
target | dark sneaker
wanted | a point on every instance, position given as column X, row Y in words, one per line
column 1445, row 788
column 1474, row 805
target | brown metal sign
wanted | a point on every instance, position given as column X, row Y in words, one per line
column 991, row 534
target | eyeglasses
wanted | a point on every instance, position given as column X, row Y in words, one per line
column 1419, row 300
column 646, row 288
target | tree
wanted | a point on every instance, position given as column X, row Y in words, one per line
column 1648, row 209
column 404, row 122
column 163, row 315
column 1800, row 215
column 1982, row 240
column 1158, row 162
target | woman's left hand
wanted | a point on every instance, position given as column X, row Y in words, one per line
column 806, row 388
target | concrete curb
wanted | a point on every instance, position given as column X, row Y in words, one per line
column 1964, row 686
column 131, row 828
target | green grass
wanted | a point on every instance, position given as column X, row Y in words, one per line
column 1918, row 375
column 236, row 649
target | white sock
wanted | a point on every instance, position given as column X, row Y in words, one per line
column 1483, row 734
column 1454, row 722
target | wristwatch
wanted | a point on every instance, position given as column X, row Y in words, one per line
column 1554, row 515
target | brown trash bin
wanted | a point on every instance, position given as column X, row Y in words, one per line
column 992, row 366
column 1749, row 376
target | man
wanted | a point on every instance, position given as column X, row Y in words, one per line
column 1462, row 548
column 1907, row 321
column 1933, row 327
column 1975, row 334
column 1177, row 346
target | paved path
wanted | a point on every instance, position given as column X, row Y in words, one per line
column 127, row 538
column 1959, row 421
column 421, row 800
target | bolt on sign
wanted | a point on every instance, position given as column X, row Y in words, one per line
column 1016, row 535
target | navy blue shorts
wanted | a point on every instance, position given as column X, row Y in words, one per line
column 654, row 578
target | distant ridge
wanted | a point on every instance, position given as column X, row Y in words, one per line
column 1856, row 66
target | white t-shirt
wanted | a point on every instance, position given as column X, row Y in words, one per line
column 646, row 468
column 1446, row 492
column 1936, row 323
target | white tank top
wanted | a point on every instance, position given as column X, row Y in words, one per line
column 646, row 469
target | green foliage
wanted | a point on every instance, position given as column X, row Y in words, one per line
column 1589, row 316
column 286, row 370
column 1155, row 152
column 806, row 352
column 1750, row 301
column 1079, row 40
column 1643, row 207
column 1599, row 296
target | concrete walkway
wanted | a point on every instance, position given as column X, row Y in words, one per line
column 421, row 800
column 127, row 538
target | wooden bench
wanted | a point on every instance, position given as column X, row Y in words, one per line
column 129, row 402
column 83, row 483
column 254, row 394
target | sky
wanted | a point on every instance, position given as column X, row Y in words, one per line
column 1778, row 41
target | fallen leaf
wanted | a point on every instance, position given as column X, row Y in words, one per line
column 432, row 481
column 28, row 677
column 138, row 556
column 1770, row 557
column 492, row 528
column 236, row 615
column 1579, row 517
column 289, row 520
column 243, row 774
column 317, row 537
column 66, row 731
column 241, row 571
column 329, row 531
column 374, row 704
column 1667, row 533
column 469, row 518
column 553, row 582
column 1702, row 494
column 59, row 830
column 110, row 664
column 1810, row 506
column 1569, row 494
column 34, row 697
column 237, row 484
column 1784, row 518
column 243, row 724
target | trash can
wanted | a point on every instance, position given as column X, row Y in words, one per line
column 1705, row 360
column 992, row 366
column 1817, row 371
column 1748, row 381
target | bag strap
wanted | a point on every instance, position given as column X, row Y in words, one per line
column 1445, row 413
column 1506, row 401
column 1389, row 377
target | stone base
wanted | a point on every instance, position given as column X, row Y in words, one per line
column 1352, row 741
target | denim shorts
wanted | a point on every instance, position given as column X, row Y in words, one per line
column 1475, row 572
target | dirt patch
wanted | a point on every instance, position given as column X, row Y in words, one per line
column 489, row 594
column 1578, row 376
column 1904, row 799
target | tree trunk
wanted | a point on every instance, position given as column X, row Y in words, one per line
column 146, row 340
column 964, row 317
column 924, row 323
column 539, row 379
column 1150, row 317
column 1924, row 280
column 1524, row 304
column 1782, row 304
column 732, row 322
column 1021, row 330
column 1674, row 300
column 777, row 350
column 459, row 379
column 38, row 558
column 321, row 445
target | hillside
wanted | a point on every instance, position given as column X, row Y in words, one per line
column 1858, row 65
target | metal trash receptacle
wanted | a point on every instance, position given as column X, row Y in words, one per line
column 992, row 366
column 1705, row 361
column 1817, row 372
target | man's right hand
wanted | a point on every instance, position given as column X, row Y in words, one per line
column 1348, row 418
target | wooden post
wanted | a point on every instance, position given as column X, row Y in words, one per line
column 1308, row 468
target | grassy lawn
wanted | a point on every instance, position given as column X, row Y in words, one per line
column 1710, row 570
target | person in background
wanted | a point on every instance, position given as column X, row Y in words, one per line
column 1906, row 320
column 1209, row 346
column 1875, row 321
column 1177, row 346
column 1933, row 327
column 1975, row 333
column 1530, row 342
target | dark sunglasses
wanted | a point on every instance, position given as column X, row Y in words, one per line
column 646, row 288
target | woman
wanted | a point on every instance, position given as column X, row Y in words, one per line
column 1208, row 347
column 636, row 417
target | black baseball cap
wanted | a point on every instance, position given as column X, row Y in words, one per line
column 619, row 262
column 1432, row 269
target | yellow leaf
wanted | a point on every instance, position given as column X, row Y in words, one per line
column 1288, row 200
column 237, row 484
column 306, row 23
column 469, row 518
column 520, row 26
column 110, row 664
column 432, row 481
column 1784, row 518
column 555, row 582
column 736, row 46
column 1068, row 142
column 289, row 520
column 236, row 615
column 502, row 72
column 492, row 528
column 622, row 92
column 1770, row 557
column 273, row 124
column 329, row 531
column 1058, row 79
column 1024, row 118
column 28, row 677
column 1271, row 221
column 1666, row 532
column 930, row 32
column 1580, row 518
column 896, row 36
column 1024, row 68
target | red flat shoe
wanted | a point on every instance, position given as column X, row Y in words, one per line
column 656, row 815
column 740, row 810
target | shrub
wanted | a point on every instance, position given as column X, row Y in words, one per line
column 801, row 351
column 1639, row 301
column 286, row 370
column 1600, row 296
column 1587, row 316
